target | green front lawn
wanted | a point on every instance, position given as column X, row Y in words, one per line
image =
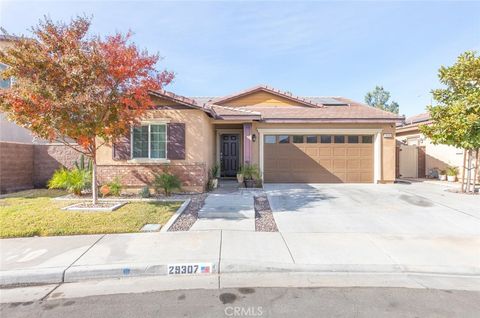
column 34, row 213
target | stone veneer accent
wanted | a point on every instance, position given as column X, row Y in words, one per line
column 193, row 176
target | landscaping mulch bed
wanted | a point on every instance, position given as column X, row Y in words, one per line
column 264, row 221
column 190, row 215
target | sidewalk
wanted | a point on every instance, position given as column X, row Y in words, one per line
column 76, row 258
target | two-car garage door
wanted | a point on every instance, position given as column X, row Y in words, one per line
column 318, row 158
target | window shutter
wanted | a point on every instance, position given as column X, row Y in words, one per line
column 176, row 141
column 121, row 148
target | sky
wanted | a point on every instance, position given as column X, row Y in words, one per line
column 308, row 48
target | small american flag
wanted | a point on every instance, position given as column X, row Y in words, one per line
column 205, row 269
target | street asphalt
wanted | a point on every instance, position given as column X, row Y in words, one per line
column 260, row 302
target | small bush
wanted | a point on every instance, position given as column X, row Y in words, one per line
column 214, row 170
column 144, row 192
column 115, row 187
column 166, row 182
column 251, row 172
column 74, row 181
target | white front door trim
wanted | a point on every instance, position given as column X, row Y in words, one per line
column 377, row 142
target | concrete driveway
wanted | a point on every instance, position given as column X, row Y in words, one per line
column 404, row 209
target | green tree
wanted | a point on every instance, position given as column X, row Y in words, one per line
column 379, row 98
column 456, row 117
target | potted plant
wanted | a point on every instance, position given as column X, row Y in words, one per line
column 240, row 174
column 251, row 175
column 442, row 175
column 452, row 174
column 214, row 176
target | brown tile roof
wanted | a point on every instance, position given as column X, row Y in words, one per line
column 417, row 118
column 301, row 100
column 187, row 101
column 351, row 111
column 314, row 108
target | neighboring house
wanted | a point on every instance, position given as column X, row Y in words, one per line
column 26, row 161
column 291, row 138
column 426, row 156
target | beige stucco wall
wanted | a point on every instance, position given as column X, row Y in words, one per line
column 259, row 98
column 437, row 156
column 199, row 138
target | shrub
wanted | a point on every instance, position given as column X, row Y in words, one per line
column 452, row 171
column 115, row 187
column 74, row 181
column 144, row 192
column 167, row 182
column 81, row 164
column 251, row 172
column 214, row 170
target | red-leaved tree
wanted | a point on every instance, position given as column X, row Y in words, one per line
column 70, row 85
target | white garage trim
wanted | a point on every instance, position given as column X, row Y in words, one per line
column 377, row 142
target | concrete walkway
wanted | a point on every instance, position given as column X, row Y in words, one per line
column 227, row 210
column 76, row 258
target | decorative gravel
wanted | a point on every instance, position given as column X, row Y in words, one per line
column 190, row 215
column 264, row 221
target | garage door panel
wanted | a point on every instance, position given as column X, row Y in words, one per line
column 353, row 151
column 353, row 164
column 353, row 177
column 323, row 151
column 339, row 164
column 340, row 151
column 328, row 163
column 366, row 152
column 312, row 152
column 366, row 163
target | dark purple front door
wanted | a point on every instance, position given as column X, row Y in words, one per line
column 229, row 155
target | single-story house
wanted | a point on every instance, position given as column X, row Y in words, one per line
column 291, row 139
column 425, row 157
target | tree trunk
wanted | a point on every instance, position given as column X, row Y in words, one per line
column 469, row 170
column 464, row 169
column 475, row 172
column 94, row 182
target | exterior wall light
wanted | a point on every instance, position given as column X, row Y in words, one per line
column 254, row 137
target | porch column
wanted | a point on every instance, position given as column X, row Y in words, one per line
column 247, row 142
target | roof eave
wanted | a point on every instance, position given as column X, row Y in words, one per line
column 332, row 120
column 180, row 100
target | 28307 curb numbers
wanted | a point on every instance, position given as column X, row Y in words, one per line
column 190, row 269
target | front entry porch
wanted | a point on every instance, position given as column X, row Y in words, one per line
column 233, row 147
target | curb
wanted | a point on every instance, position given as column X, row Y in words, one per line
column 117, row 271
column 175, row 216
column 80, row 273
column 53, row 275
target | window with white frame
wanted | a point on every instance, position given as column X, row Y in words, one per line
column 4, row 82
column 149, row 141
